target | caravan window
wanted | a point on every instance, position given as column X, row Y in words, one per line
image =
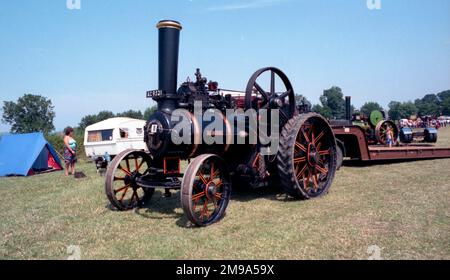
column 100, row 135
column 124, row 133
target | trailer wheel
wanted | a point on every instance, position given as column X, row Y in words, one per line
column 307, row 156
column 205, row 190
column 120, row 185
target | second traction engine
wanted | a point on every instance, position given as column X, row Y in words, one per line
column 302, row 163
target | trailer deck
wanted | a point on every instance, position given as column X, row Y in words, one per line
column 355, row 146
column 407, row 152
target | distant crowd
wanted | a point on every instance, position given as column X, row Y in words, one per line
column 419, row 123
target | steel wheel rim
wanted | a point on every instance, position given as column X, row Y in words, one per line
column 206, row 190
column 314, row 156
column 122, row 189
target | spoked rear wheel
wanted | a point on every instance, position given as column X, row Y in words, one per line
column 120, row 185
column 307, row 156
column 205, row 190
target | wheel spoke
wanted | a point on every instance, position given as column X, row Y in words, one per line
column 140, row 165
column 300, row 146
column 124, row 170
column 317, row 139
column 128, row 165
column 204, row 211
column 119, row 178
column 203, row 179
column 299, row 160
column 285, row 94
column 318, row 146
column 306, row 179
column 322, row 170
column 262, row 92
column 272, row 83
column 130, row 203
column 305, row 135
column 121, row 189
column 324, row 152
column 218, row 195
column 124, row 193
column 198, row 196
column 196, row 203
column 302, row 172
column 136, row 164
column 315, row 180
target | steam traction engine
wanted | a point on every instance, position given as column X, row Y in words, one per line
column 304, row 164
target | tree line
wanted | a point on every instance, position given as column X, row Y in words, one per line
column 333, row 106
column 32, row 113
column 104, row 115
column 35, row 113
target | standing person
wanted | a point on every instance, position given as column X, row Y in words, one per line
column 389, row 137
column 70, row 151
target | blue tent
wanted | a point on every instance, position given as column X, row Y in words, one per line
column 26, row 154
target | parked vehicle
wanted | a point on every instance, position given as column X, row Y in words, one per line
column 108, row 138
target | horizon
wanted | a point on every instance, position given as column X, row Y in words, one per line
column 105, row 54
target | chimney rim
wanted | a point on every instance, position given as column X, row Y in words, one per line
column 169, row 24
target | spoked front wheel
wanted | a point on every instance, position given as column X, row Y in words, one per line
column 205, row 190
column 120, row 185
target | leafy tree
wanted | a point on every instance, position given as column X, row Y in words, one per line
column 104, row 115
column 150, row 111
column 443, row 95
column 91, row 119
column 131, row 114
column 445, row 107
column 324, row 111
column 87, row 121
column 333, row 103
column 31, row 113
column 444, row 98
column 428, row 105
column 369, row 107
column 399, row 110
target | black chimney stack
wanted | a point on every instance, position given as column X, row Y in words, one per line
column 169, row 42
column 348, row 108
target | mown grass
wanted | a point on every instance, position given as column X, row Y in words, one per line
column 403, row 208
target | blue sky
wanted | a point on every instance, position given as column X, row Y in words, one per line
column 104, row 56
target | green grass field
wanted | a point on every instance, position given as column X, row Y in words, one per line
column 403, row 208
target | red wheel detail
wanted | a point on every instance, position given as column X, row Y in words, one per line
column 311, row 156
column 120, row 185
column 206, row 189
